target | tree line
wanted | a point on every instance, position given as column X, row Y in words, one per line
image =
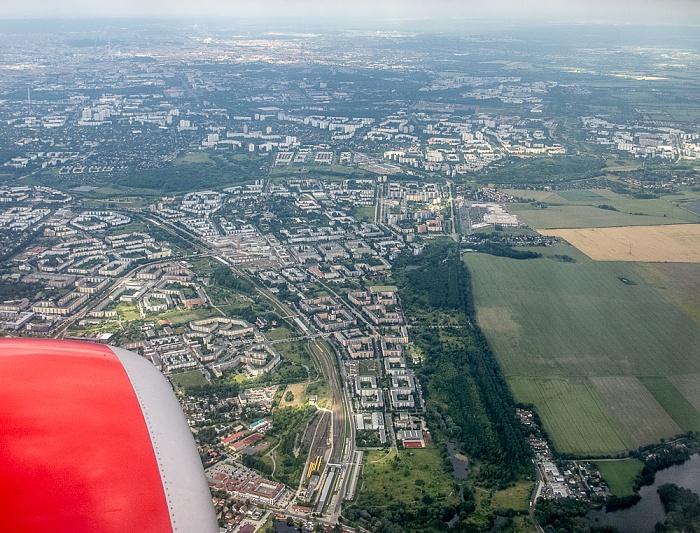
column 461, row 371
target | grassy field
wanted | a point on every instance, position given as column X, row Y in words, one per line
column 581, row 195
column 619, row 475
column 383, row 288
column 572, row 338
column 516, row 497
column 279, row 333
column 128, row 311
column 490, row 501
column 194, row 158
column 189, row 379
column 368, row 367
column 405, row 476
column 299, row 392
column 364, row 213
column 178, row 317
column 296, row 351
column 321, row 390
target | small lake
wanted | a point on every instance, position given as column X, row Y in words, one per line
column 460, row 463
column 643, row 516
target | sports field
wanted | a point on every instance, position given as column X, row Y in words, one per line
column 584, row 342
column 679, row 243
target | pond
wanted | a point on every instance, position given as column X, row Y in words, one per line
column 460, row 463
column 641, row 517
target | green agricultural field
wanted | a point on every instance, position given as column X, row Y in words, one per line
column 574, row 415
column 652, row 207
column 682, row 113
column 638, row 413
column 620, row 475
column 581, row 195
column 405, row 476
column 674, row 403
column 537, row 196
column 579, row 208
column 579, row 319
column 689, row 386
column 572, row 338
column 587, row 216
column 677, row 282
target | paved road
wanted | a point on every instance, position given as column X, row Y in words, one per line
column 455, row 235
column 539, row 485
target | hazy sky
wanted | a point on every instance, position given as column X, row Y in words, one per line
column 615, row 11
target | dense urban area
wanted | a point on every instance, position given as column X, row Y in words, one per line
column 398, row 281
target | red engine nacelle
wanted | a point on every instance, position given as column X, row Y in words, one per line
column 93, row 439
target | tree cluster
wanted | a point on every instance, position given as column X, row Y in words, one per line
column 399, row 518
column 547, row 170
column 224, row 277
column 503, row 250
column 682, row 508
column 460, row 369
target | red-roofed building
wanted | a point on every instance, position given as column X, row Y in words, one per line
column 248, row 441
column 232, row 438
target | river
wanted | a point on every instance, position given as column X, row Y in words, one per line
column 641, row 517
